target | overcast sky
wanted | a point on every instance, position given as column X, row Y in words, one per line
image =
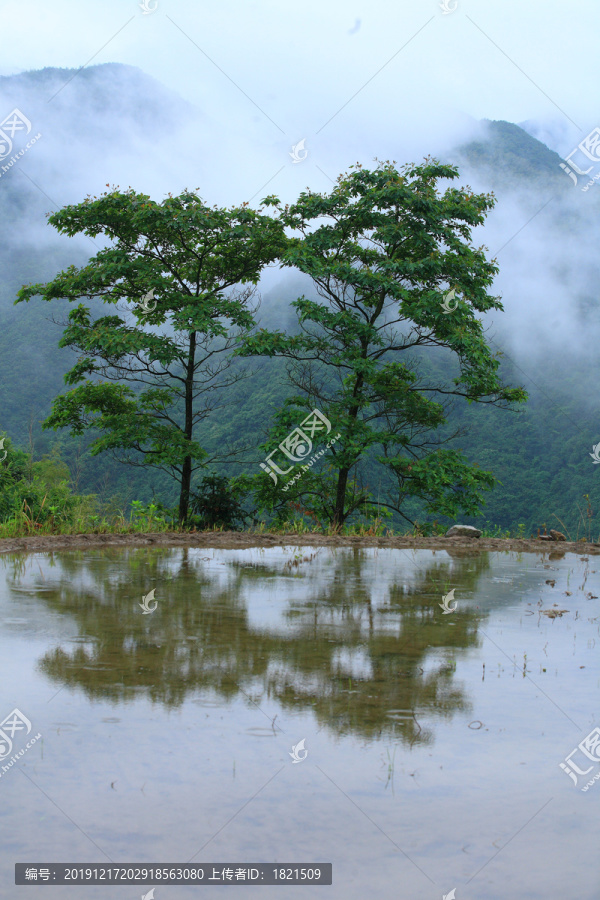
column 353, row 80
column 391, row 80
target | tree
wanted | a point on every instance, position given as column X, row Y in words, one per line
column 216, row 503
column 383, row 249
column 192, row 267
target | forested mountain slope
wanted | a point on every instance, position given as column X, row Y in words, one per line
column 543, row 231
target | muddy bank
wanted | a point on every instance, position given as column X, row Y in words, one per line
column 242, row 540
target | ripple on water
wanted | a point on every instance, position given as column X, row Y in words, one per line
column 260, row 732
column 400, row 714
column 32, row 589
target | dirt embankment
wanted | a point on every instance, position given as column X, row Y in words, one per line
column 241, row 540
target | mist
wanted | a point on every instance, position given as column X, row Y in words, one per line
column 246, row 101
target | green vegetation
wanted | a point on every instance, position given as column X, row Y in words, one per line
column 36, row 497
column 194, row 392
column 386, row 250
column 190, row 256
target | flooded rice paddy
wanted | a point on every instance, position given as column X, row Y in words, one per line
column 303, row 706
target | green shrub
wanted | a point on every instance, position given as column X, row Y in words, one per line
column 216, row 504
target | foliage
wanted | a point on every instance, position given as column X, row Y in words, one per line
column 539, row 457
column 383, row 250
column 216, row 503
column 187, row 264
column 147, row 517
column 34, row 494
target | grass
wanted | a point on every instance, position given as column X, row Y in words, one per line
column 24, row 524
column 49, row 520
column 152, row 518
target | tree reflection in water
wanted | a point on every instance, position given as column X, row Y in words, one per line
column 357, row 635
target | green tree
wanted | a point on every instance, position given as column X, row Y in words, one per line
column 33, row 493
column 383, row 249
column 191, row 267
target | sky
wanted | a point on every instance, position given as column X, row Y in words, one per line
column 349, row 80
column 274, row 98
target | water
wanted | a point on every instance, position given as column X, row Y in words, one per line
column 432, row 742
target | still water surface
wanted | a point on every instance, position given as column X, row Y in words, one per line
column 431, row 741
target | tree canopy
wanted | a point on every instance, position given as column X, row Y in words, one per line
column 384, row 249
column 146, row 378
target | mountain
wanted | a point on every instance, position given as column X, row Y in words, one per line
column 506, row 154
column 113, row 124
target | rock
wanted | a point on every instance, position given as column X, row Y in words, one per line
column 557, row 535
column 463, row 531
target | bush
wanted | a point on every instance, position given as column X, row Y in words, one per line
column 216, row 504
column 37, row 494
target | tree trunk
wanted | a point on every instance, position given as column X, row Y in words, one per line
column 340, row 498
column 186, row 473
column 184, row 494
